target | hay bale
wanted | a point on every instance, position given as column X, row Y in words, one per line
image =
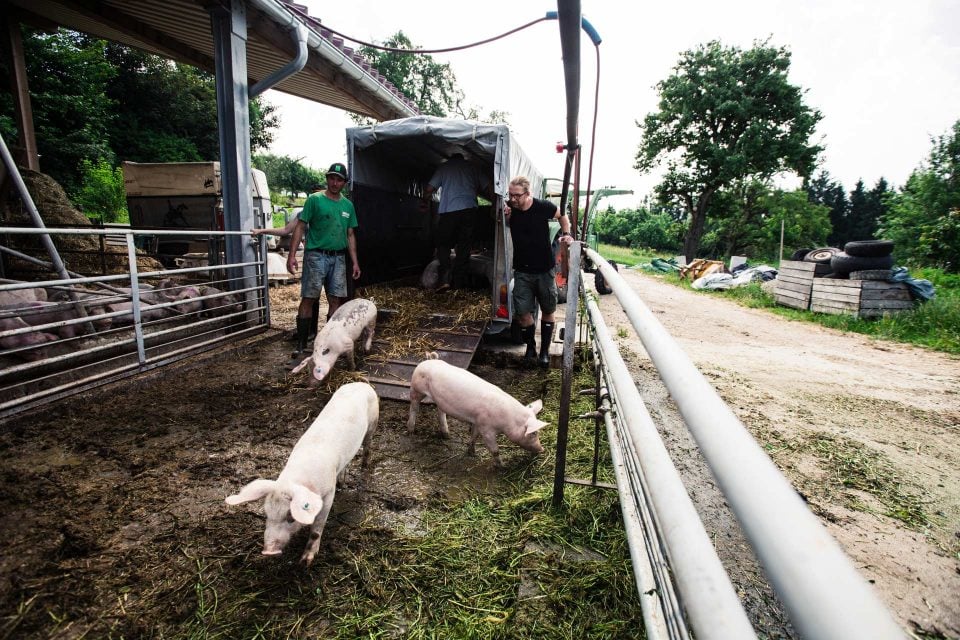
column 80, row 254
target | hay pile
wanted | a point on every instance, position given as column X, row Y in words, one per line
column 410, row 307
column 81, row 254
column 404, row 309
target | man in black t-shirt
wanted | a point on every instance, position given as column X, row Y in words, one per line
column 534, row 264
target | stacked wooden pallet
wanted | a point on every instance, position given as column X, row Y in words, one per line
column 795, row 282
column 860, row 298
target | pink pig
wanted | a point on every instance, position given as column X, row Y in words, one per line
column 303, row 492
column 489, row 410
column 31, row 339
column 354, row 318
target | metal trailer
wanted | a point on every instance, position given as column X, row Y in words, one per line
column 390, row 164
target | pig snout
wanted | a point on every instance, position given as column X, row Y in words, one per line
column 319, row 373
column 277, row 535
column 531, row 443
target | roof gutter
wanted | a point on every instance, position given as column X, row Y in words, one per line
column 393, row 100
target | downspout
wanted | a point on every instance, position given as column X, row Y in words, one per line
column 288, row 69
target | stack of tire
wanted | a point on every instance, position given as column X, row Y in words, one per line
column 864, row 260
column 859, row 260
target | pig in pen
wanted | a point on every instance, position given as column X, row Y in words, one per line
column 82, row 304
column 58, row 335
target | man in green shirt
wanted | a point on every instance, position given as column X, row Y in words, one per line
column 328, row 219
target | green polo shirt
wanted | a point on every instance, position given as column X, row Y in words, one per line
column 328, row 221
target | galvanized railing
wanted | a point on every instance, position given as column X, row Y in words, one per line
column 823, row 593
column 63, row 335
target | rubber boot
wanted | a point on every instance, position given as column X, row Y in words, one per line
column 314, row 321
column 303, row 331
column 529, row 336
column 546, row 337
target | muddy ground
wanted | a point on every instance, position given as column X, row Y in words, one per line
column 112, row 502
column 112, row 499
column 868, row 431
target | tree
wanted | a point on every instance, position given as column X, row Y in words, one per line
column 866, row 210
column 101, row 193
column 94, row 100
column 286, row 174
column 825, row 191
column 725, row 115
column 68, row 76
column 636, row 228
column 923, row 219
column 747, row 221
column 432, row 86
column 167, row 112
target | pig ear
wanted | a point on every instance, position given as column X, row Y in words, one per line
column 536, row 406
column 533, row 425
column 305, row 504
column 299, row 367
column 253, row 491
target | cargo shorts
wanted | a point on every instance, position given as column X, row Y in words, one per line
column 529, row 289
column 323, row 271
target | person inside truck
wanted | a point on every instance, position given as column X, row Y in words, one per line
column 327, row 221
column 459, row 183
column 534, row 264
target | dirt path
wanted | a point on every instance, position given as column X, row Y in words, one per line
column 862, row 428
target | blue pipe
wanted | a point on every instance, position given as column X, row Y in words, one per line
column 584, row 24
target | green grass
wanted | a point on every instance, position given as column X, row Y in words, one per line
column 626, row 256
column 934, row 324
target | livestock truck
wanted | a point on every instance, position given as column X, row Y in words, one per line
column 390, row 164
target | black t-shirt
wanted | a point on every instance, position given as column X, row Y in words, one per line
column 529, row 229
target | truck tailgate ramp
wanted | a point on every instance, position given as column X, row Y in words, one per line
column 390, row 366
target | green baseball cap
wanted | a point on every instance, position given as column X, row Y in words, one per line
column 337, row 169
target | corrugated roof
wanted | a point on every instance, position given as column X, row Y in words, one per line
column 181, row 30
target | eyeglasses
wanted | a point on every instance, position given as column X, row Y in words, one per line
column 516, row 196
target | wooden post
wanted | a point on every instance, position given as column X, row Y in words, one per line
column 25, row 152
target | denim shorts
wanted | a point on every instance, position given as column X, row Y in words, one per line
column 321, row 270
column 532, row 288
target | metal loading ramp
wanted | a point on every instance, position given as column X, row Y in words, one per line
column 455, row 342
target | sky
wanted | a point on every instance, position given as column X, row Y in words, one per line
column 885, row 74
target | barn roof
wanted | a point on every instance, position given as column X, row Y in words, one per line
column 334, row 75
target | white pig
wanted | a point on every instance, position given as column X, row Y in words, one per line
column 489, row 409
column 303, row 492
column 353, row 319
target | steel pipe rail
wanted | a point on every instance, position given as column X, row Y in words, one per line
column 50, row 358
column 712, row 604
column 662, row 615
column 824, row 594
column 96, row 231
